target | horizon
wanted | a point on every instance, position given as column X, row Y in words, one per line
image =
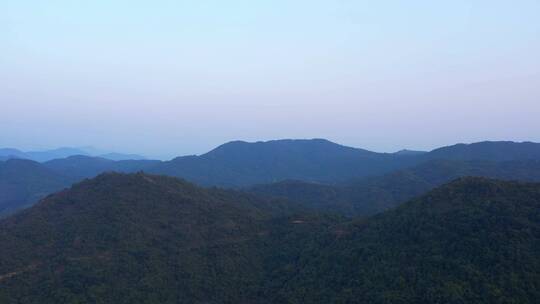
column 100, row 152
column 167, row 78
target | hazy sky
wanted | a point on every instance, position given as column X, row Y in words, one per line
column 167, row 78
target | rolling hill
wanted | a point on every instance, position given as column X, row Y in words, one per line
column 134, row 239
column 471, row 241
column 141, row 238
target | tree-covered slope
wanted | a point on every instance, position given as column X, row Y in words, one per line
column 471, row 241
column 134, row 239
column 140, row 238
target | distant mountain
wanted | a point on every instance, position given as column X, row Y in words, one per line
column 43, row 156
column 471, row 241
column 23, row 182
column 488, row 150
column 372, row 195
column 8, row 153
column 134, row 239
column 409, row 152
column 80, row 166
column 47, row 155
column 240, row 163
column 121, row 156
column 311, row 163
column 91, row 151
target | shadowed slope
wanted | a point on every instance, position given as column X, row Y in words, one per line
column 23, row 182
column 375, row 194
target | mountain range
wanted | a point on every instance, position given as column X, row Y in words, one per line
column 47, row 155
column 327, row 176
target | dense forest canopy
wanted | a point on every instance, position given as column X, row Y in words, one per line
column 124, row 238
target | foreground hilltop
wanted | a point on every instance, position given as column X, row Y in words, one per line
column 125, row 238
column 138, row 238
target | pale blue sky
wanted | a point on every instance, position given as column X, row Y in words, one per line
column 167, row 78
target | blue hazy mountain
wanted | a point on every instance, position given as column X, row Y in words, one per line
column 318, row 165
column 121, row 156
column 409, row 152
column 241, row 163
column 488, row 150
column 7, row 153
column 47, row 155
column 23, row 182
column 80, row 166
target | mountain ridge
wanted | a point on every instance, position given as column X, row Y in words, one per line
column 241, row 164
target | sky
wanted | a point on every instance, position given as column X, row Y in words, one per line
column 167, row 78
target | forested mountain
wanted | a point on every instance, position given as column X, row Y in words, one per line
column 371, row 195
column 241, row 163
column 141, row 238
column 23, row 182
column 134, row 239
column 471, row 241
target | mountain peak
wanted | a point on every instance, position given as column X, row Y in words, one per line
column 316, row 145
